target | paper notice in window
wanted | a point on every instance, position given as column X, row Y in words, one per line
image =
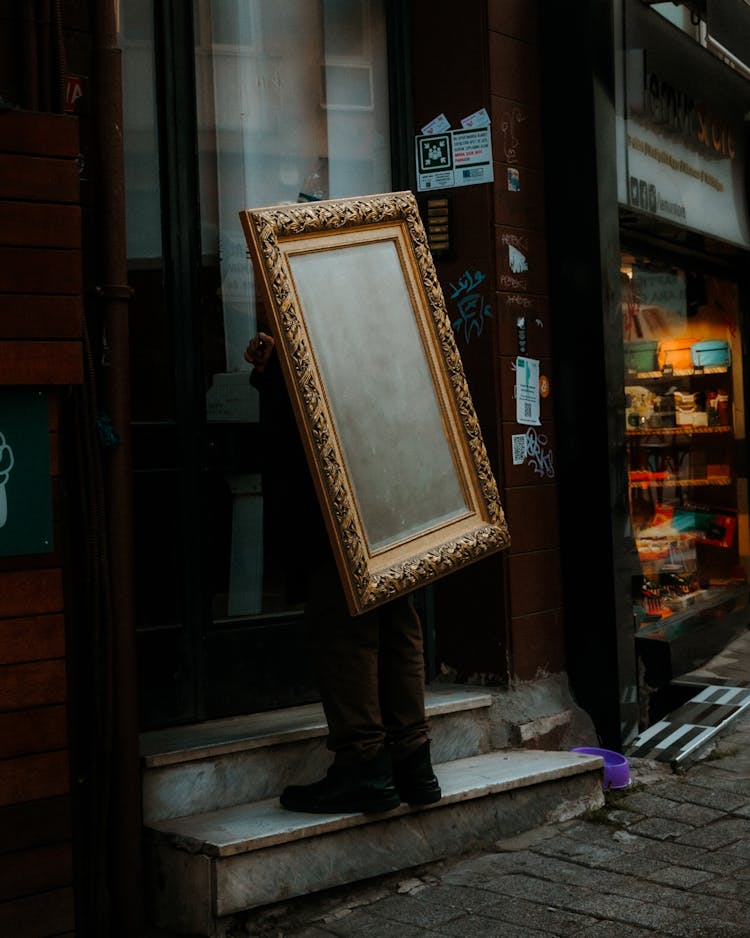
column 527, row 391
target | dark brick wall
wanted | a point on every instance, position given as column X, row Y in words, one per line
column 534, row 588
column 501, row 620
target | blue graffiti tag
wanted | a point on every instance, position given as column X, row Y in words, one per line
column 472, row 307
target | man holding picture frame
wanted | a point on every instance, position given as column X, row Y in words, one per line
column 364, row 348
column 370, row 667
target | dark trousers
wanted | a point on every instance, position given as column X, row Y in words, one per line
column 370, row 672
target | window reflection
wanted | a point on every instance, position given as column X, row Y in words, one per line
column 151, row 390
column 292, row 105
column 684, row 418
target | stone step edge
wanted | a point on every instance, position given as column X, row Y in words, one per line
column 214, row 738
column 244, row 828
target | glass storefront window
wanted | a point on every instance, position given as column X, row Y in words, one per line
column 151, row 389
column 292, row 106
column 273, row 101
column 684, row 414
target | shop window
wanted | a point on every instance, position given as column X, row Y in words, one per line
column 684, row 418
column 292, row 106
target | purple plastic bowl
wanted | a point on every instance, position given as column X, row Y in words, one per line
column 616, row 768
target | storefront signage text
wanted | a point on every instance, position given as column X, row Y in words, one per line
column 670, row 106
column 684, row 148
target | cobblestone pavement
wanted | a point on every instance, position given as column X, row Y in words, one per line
column 669, row 855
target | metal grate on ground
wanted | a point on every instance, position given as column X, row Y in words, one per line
column 679, row 737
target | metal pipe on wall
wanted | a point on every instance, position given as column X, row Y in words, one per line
column 30, row 98
column 125, row 814
column 44, row 50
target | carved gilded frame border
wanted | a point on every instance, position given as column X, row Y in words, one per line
column 312, row 259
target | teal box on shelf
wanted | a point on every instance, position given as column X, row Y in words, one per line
column 641, row 355
column 711, row 353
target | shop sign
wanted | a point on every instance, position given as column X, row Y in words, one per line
column 25, row 488
column 684, row 137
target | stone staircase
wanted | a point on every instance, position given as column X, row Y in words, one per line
column 218, row 844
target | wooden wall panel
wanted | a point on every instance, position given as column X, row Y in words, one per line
column 41, row 330
column 40, row 270
column 25, row 732
column 39, row 870
column 39, row 134
column 32, row 638
column 49, row 913
column 30, row 316
column 38, row 178
column 35, row 823
column 32, row 685
column 40, row 224
column 41, row 275
column 30, row 592
column 33, row 777
column 41, row 363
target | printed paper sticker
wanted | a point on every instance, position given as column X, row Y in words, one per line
column 437, row 125
column 527, row 391
column 479, row 118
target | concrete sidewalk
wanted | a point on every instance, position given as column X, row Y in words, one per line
column 669, row 855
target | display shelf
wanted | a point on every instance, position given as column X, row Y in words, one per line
column 683, row 483
column 677, row 373
column 702, row 603
column 682, row 430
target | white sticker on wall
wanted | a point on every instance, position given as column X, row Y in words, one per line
column 527, row 391
column 437, row 125
column 518, row 443
column 517, row 260
column 479, row 118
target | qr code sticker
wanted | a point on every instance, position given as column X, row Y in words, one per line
column 519, row 448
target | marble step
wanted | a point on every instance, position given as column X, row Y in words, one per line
column 206, row 869
column 206, row 766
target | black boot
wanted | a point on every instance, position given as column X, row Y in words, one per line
column 347, row 789
column 414, row 778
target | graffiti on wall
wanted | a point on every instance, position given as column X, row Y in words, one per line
column 509, row 125
column 473, row 308
column 517, row 246
column 532, row 448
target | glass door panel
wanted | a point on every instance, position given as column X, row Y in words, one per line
column 292, row 105
column 228, row 104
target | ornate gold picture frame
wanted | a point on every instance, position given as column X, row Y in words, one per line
column 378, row 390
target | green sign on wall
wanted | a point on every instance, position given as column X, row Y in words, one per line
column 25, row 487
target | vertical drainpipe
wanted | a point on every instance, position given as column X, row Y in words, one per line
column 30, row 58
column 44, row 58
column 125, row 805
